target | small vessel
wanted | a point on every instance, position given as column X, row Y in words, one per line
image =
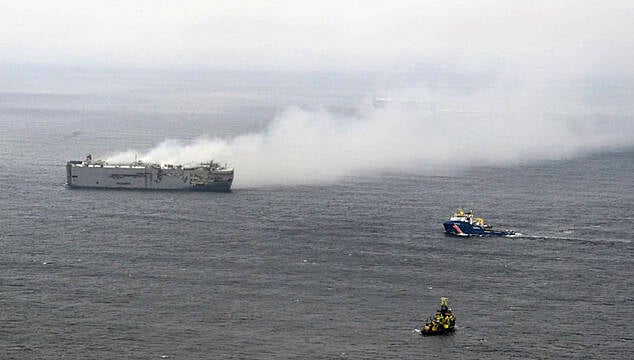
column 209, row 176
column 442, row 322
column 463, row 223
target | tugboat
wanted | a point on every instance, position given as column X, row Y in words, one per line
column 444, row 321
column 466, row 224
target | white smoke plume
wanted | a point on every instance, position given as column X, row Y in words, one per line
column 302, row 146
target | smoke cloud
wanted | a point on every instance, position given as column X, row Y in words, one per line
column 302, row 146
column 535, row 52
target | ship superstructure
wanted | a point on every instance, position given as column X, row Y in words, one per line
column 87, row 173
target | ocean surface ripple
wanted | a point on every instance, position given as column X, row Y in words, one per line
column 344, row 269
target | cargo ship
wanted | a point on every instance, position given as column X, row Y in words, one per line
column 463, row 223
column 87, row 173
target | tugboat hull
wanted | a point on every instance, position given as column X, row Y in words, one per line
column 463, row 228
column 439, row 331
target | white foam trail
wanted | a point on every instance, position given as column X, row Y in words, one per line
column 315, row 146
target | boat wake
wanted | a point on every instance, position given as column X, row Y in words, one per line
column 576, row 239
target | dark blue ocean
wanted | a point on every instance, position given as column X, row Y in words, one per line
column 345, row 269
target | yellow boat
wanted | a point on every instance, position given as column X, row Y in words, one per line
column 442, row 322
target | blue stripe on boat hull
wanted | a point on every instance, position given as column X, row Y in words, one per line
column 466, row 229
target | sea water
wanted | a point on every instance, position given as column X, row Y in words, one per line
column 335, row 269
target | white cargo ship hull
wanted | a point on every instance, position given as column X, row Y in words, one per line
column 88, row 174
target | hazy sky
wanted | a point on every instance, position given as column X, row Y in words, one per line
column 318, row 35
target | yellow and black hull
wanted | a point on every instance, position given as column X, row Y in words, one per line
column 438, row 331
